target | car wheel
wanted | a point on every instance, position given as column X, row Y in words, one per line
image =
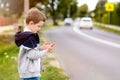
column 91, row 28
column 80, row 27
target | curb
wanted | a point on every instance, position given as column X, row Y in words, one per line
column 108, row 26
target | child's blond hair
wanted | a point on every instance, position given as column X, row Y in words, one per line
column 34, row 15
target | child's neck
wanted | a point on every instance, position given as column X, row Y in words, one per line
column 27, row 29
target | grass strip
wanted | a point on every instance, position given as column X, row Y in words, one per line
column 107, row 29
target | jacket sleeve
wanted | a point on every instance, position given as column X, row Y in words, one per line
column 35, row 53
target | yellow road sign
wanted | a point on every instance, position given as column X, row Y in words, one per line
column 109, row 6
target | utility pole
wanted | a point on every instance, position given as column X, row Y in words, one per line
column 68, row 14
column 26, row 8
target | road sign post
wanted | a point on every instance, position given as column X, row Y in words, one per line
column 109, row 7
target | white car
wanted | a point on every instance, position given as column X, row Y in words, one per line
column 85, row 22
column 68, row 21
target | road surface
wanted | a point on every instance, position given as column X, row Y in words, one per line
column 87, row 54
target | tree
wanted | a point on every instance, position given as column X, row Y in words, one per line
column 118, row 9
column 115, row 16
column 56, row 8
column 16, row 7
column 52, row 8
column 67, row 8
column 82, row 10
column 59, row 9
column 102, row 16
column 100, row 10
column 73, row 9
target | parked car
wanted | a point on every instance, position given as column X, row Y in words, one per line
column 85, row 22
column 68, row 21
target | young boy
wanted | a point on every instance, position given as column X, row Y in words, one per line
column 30, row 53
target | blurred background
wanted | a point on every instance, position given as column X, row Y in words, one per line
column 84, row 54
column 13, row 11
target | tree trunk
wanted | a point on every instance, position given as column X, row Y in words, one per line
column 54, row 14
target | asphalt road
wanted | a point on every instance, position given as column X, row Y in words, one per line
column 87, row 54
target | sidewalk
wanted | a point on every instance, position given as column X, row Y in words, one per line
column 107, row 25
column 6, row 28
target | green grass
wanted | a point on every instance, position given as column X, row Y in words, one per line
column 107, row 29
column 46, row 26
column 46, row 61
column 8, row 58
column 53, row 73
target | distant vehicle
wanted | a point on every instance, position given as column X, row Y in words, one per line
column 68, row 21
column 85, row 22
column 77, row 19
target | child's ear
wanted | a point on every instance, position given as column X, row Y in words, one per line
column 31, row 23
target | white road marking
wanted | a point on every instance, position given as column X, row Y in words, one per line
column 96, row 39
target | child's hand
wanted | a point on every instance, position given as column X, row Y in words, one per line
column 48, row 47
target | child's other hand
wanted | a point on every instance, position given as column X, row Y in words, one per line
column 48, row 47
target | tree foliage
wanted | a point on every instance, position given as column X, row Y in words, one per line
column 115, row 15
column 82, row 10
column 67, row 7
column 102, row 16
column 100, row 10
column 118, row 9
column 56, row 8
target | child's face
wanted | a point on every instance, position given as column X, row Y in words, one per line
column 36, row 27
